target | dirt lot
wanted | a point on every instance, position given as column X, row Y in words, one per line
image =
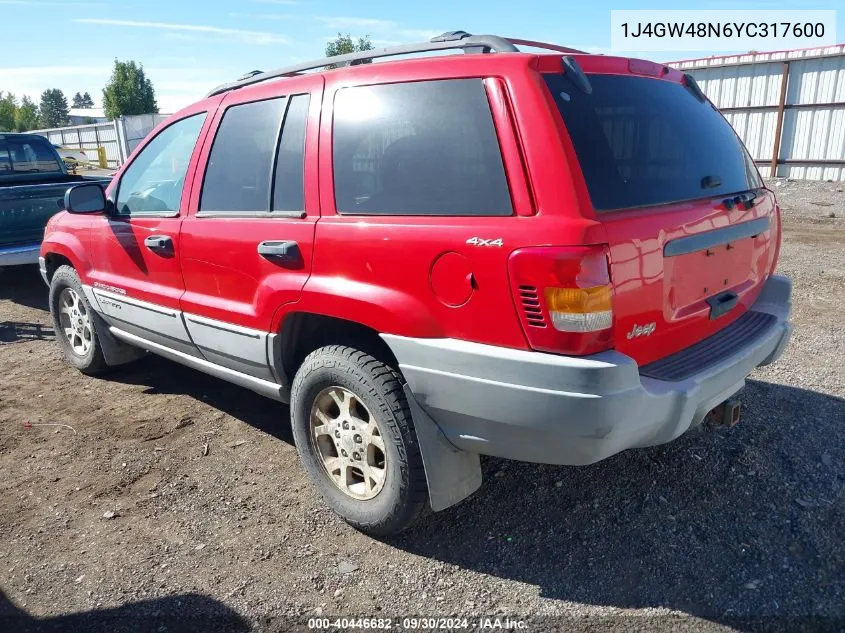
column 724, row 529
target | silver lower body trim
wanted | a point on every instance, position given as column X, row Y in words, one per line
column 263, row 387
column 554, row 409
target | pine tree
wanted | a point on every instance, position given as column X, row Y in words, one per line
column 53, row 111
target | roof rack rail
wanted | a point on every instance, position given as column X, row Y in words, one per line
column 546, row 45
column 447, row 41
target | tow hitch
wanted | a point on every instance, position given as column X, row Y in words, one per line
column 727, row 413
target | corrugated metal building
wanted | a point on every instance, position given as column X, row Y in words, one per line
column 787, row 106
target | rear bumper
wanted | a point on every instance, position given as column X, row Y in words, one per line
column 545, row 408
column 19, row 255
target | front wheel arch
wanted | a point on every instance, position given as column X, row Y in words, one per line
column 53, row 261
column 92, row 361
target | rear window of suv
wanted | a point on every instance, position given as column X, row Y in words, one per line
column 421, row 148
column 644, row 142
column 27, row 157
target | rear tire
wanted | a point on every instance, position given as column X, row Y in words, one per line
column 355, row 437
column 74, row 323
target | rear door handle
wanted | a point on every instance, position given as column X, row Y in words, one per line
column 159, row 243
column 279, row 250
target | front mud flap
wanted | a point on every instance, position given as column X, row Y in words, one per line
column 452, row 474
column 114, row 351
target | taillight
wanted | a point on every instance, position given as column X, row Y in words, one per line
column 565, row 298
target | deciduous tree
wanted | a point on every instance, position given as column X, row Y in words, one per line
column 8, row 106
column 26, row 116
column 129, row 91
column 344, row 44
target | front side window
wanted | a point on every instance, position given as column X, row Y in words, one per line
column 153, row 183
column 421, row 148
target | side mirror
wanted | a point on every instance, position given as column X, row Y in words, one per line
column 87, row 198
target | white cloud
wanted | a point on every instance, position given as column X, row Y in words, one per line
column 261, row 16
column 383, row 43
column 382, row 27
column 33, row 80
column 41, row 71
column 420, row 34
column 56, row 5
column 337, row 22
column 246, row 37
column 175, row 87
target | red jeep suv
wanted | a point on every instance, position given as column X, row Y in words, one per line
column 544, row 257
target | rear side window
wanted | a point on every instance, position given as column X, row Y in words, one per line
column 22, row 157
column 240, row 166
column 249, row 160
column 644, row 142
column 288, row 189
column 422, row 148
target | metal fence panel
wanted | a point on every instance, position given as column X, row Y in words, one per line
column 118, row 138
column 137, row 127
column 87, row 137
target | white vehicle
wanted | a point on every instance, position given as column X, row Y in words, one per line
column 73, row 157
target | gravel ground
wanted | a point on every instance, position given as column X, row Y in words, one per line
column 174, row 501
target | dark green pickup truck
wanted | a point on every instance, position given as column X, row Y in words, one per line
column 33, row 182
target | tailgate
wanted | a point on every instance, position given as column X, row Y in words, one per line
column 681, row 274
column 692, row 232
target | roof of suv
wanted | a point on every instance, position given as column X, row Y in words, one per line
column 451, row 40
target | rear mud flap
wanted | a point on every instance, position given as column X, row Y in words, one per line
column 452, row 474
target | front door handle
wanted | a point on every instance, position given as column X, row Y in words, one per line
column 159, row 243
column 279, row 250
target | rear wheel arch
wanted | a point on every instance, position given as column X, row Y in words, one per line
column 303, row 332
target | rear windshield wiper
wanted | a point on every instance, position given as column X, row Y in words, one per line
column 711, row 182
column 691, row 84
column 745, row 200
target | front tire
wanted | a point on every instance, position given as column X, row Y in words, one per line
column 355, row 438
column 74, row 323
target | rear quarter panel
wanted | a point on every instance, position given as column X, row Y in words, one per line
column 381, row 270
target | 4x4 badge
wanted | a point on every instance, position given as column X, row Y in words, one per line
column 642, row 330
column 480, row 241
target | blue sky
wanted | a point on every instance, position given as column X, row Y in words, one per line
column 189, row 46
